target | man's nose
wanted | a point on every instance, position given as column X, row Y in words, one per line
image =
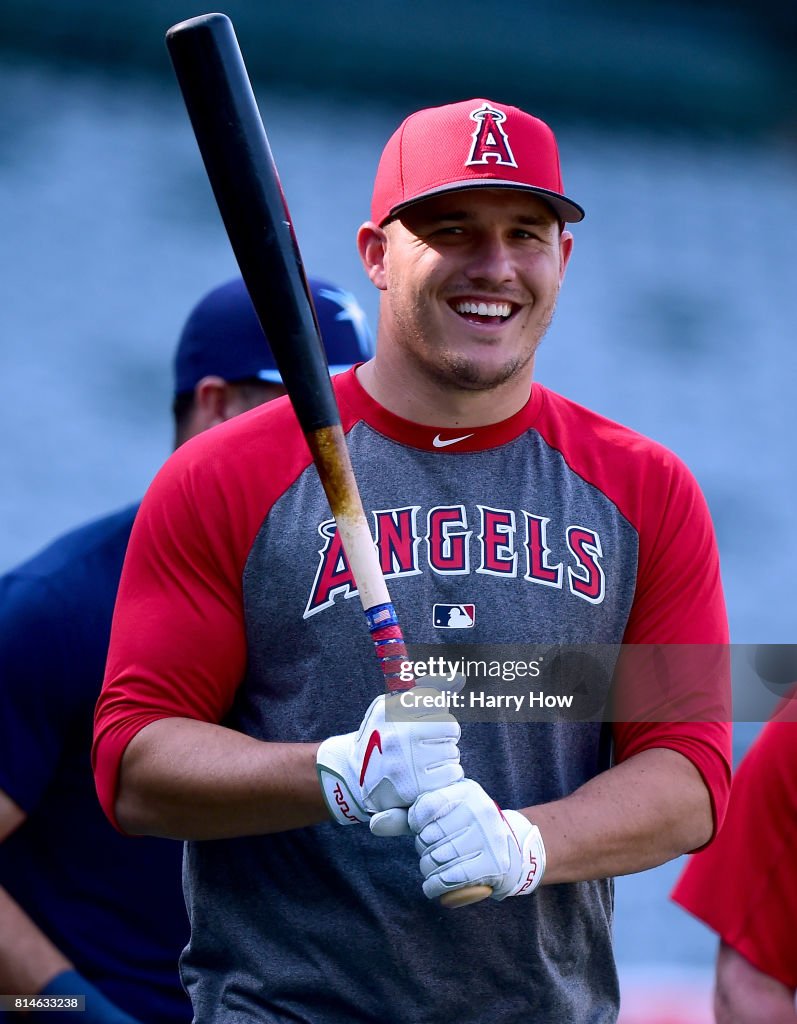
column 491, row 260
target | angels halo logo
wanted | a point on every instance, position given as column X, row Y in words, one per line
column 490, row 141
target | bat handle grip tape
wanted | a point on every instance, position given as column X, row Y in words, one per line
column 391, row 652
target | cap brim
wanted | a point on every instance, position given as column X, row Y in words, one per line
column 270, row 376
column 564, row 208
column 273, row 376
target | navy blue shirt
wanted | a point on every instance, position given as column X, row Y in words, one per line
column 112, row 904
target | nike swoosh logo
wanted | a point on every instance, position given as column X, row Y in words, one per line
column 438, row 442
column 374, row 743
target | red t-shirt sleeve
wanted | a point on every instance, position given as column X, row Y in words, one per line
column 679, row 607
column 678, row 600
column 178, row 639
column 744, row 886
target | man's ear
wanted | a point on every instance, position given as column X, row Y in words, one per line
column 565, row 251
column 211, row 396
column 372, row 246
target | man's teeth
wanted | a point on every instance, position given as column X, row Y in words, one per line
column 502, row 309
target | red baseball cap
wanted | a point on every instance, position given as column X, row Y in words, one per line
column 472, row 144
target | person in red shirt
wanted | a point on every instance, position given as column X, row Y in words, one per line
column 744, row 885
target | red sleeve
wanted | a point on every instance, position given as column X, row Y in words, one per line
column 744, row 886
column 678, row 603
column 679, row 607
column 178, row 640
column 679, row 598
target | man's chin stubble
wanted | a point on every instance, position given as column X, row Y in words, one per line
column 458, row 374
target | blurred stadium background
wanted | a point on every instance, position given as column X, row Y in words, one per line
column 677, row 124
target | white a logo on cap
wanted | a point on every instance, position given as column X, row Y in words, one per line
column 490, row 141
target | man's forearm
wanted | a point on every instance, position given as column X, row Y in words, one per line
column 640, row 813
column 28, row 960
column 184, row 779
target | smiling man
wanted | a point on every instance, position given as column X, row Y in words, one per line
column 241, row 706
column 470, row 283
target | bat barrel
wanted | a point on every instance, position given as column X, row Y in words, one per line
column 232, row 140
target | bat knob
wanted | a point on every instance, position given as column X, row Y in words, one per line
column 467, row 894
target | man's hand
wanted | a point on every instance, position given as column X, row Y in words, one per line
column 396, row 754
column 464, row 838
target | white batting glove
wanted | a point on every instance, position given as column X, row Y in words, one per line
column 464, row 838
column 395, row 755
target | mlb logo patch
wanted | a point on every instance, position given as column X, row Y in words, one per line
column 454, row 616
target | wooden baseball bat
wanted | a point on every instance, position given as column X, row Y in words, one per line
column 235, row 149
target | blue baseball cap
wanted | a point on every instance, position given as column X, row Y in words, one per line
column 222, row 336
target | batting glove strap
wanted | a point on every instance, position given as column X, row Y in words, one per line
column 532, row 861
column 397, row 753
column 464, row 838
column 334, row 776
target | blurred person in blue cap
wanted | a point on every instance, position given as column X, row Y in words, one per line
column 215, row 382
column 83, row 910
